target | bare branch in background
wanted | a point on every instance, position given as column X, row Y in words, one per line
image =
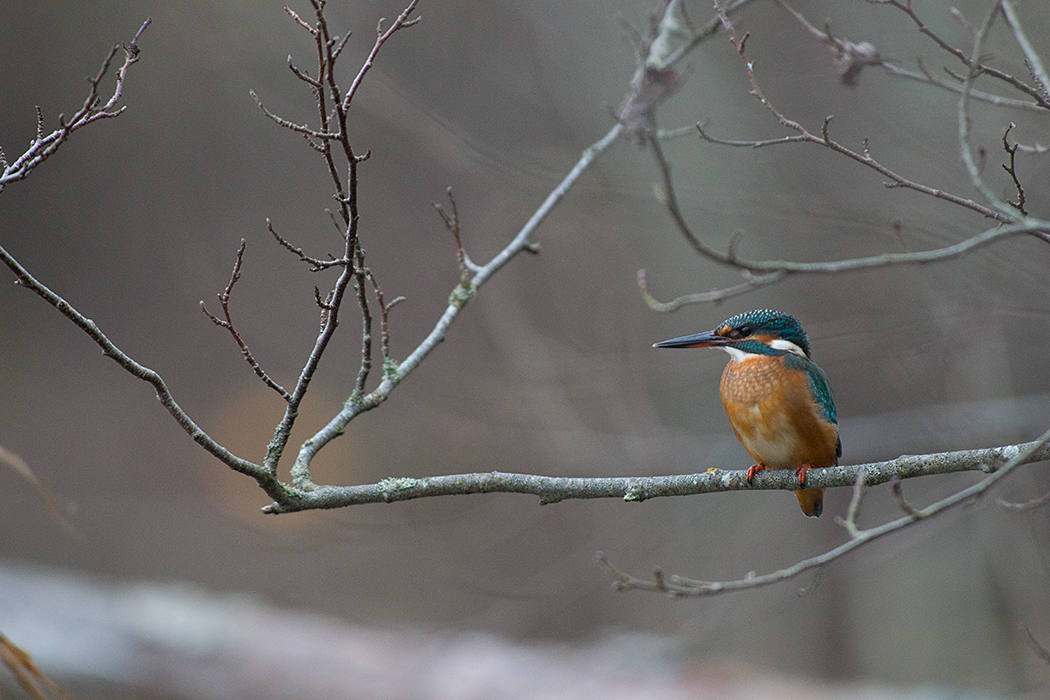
column 1011, row 170
column 850, row 58
column 227, row 323
column 1026, row 505
column 972, row 63
column 1041, row 651
column 761, row 273
column 60, row 510
column 670, row 36
column 92, row 110
column 26, row 672
column 39, row 150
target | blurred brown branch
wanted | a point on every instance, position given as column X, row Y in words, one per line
column 59, row 510
column 26, row 672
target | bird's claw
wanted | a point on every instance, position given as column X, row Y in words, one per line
column 752, row 470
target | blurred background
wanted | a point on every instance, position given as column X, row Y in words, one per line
column 174, row 583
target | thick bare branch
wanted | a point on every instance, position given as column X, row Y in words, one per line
column 680, row 586
column 551, row 489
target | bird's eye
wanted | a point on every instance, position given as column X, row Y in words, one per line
column 741, row 332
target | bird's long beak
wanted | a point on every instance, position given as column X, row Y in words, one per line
column 707, row 339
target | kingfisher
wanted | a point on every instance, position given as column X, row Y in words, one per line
column 777, row 399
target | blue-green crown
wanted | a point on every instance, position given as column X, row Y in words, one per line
column 769, row 322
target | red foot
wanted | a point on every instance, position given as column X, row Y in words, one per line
column 801, row 474
column 751, row 471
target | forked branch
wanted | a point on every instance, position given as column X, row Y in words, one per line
column 681, row 586
column 92, row 110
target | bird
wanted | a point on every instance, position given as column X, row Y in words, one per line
column 777, row 399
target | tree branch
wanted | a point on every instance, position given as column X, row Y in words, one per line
column 551, row 489
column 925, row 77
column 92, row 110
column 110, row 350
column 865, row 158
column 973, row 62
column 761, row 273
column 460, row 296
column 227, row 323
column 680, row 586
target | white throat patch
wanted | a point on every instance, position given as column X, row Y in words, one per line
column 737, row 354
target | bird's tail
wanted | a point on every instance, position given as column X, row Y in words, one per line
column 811, row 500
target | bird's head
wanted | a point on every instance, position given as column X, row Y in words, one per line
column 758, row 332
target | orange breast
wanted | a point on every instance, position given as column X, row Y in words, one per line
column 774, row 416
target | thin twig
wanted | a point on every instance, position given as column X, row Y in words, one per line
column 273, row 487
column 850, row 521
column 1032, row 59
column 715, row 295
column 898, row 493
column 825, row 139
column 227, row 323
column 1011, row 170
column 317, row 263
column 1026, row 505
column 466, row 265
column 384, row 322
column 973, row 166
column 997, row 100
column 402, row 22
